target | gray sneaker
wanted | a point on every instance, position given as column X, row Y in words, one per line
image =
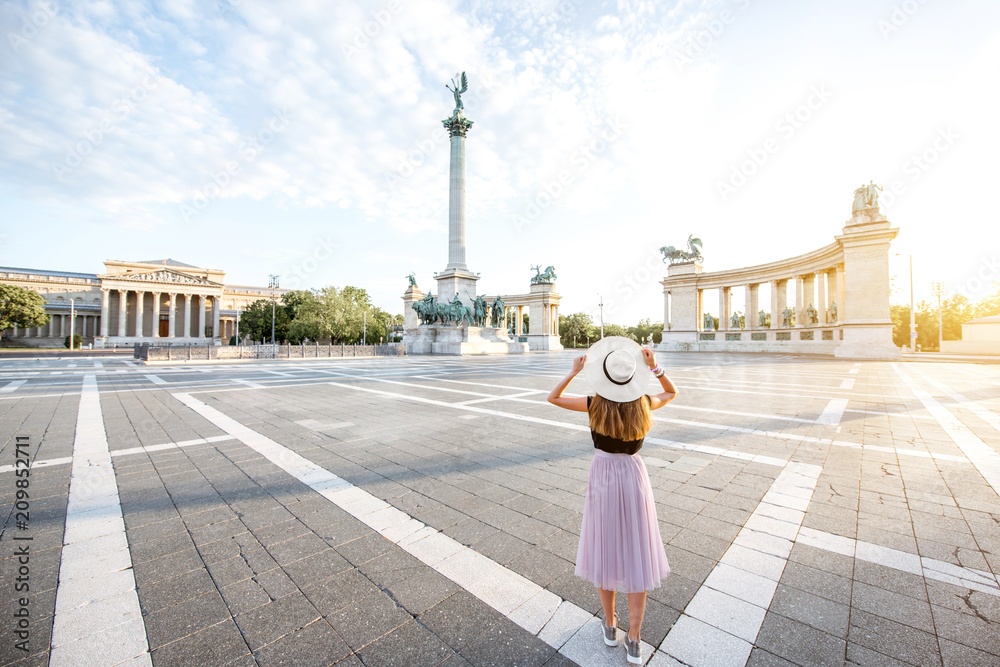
column 610, row 635
column 634, row 651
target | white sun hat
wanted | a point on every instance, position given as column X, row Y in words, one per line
column 616, row 369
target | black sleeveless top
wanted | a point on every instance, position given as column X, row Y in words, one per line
column 606, row 443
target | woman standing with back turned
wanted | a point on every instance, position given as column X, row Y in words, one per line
column 620, row 545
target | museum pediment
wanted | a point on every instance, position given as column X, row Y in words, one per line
column 162, row 276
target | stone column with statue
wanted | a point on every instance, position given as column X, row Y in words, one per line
column 864, row 307
column 455, row 321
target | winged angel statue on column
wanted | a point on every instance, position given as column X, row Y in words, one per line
column 458, row 86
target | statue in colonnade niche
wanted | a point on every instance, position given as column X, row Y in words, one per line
column 736, row 321
column 764, row 319
column 787, row 318
column 709, row 322
column 812, row 314
column 831, row 315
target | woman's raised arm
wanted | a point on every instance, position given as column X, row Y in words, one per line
column 669, row 392
column 577, row 403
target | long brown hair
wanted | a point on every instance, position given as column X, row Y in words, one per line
column 624, row 421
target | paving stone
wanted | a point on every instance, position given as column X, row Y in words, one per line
column 268, row 623
column 315, row 645
column 889, row 638
column 419, row 592
column 504, row 643
column 218, row 644
column 364, row 621
column 168, row 624
column 459, row 619
column 169, row 592
column 800, row 643
column 409, row 644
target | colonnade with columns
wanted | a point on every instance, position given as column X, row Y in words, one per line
column 840, row 304
column 83, row 324
column 137, row 313
column 822, row 290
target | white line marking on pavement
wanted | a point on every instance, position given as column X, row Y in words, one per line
column 97, row 616
column 983, row 457
column 810, row 438
column 500, row 398
column 705, row 449
column 720, row 624
column 972, row 406
column 319, row 426
column 252, row 385
column 131, row 363
column 156, row 379
column 673, row 406
column 854, row 371
column 11, row 386
column 929, row 568
column 847, row 384
column 833, row 411
column 540, row 612
column 125, row 452
column 98, row 364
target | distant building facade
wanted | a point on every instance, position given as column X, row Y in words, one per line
column 979, row 336
column 134, row 302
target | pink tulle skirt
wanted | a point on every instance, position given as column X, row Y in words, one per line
column 620, row 545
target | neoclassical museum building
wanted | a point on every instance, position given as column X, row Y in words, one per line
column 134, row 302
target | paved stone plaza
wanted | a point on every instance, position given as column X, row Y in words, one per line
column 419, row 511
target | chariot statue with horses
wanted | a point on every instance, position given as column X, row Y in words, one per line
column 676, row 256
column 540, row 277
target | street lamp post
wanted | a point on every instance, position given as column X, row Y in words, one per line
column 273, row 284
column 938, row 290
column 913, row 315
column 601, row 304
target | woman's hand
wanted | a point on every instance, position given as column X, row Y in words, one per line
column 649, row 357
column 579, row 363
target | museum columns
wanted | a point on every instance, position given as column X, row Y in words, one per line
column 201, row 317
column 171, row 315
column 155, row 333
column 121, row 312
column 216, row 314
column 187, row 316
column 105, row 311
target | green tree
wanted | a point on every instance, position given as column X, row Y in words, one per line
column 645, row 329
column 615, row 330
column 954, row 312
column 305, row 317
column 21, row 307
column 255, row 321
column 346, row 312
column 576, row 328
column 989, row 305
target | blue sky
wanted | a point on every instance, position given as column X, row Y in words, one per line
column 304, row 138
